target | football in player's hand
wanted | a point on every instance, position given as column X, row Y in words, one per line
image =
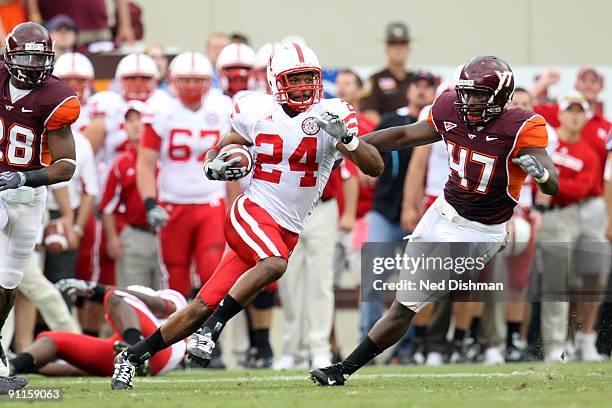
column 240, row 151
column 55, row 237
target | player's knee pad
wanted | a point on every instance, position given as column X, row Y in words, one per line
column 264, row 300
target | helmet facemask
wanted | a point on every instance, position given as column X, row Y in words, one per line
column 30, row 67
column 137, row 87
column 295, row 91
column 236, row 78
column 190, row 89
column 479, row 112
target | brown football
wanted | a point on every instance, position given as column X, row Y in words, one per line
column 241, row 151
column 55, row 238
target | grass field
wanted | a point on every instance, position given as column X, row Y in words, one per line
column 515, row 385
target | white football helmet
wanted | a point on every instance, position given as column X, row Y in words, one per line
column 190, row 75
column 137, row 74
column 77, row 71
column 261, row 67
column 235, row 66
column 289, row 59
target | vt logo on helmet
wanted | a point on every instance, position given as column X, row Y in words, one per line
column 29, row 55
column 190, row 77
column 485, row 86
column 294, row 74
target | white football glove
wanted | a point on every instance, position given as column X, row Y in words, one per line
column 532, row 166
column 157, row 217
column 221, row 170
column 334, row 126
column 75, row 287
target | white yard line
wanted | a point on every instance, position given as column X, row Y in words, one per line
column 211, row 380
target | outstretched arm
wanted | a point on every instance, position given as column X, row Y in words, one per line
column 401, row 137
column 365, row 156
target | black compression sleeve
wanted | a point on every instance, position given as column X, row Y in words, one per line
column 36, row 178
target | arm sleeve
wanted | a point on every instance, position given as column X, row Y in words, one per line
column 89, row 175
column 64, row 114
column 532, row 134
column 111, row 196
column 239, row 122
column 150, row 138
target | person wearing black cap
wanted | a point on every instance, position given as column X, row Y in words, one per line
column 386, row 89
column 63, row 31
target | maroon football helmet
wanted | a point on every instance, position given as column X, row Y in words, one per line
column 29, row 55
column 485, row 86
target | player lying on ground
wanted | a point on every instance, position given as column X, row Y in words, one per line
column 133, row 312
column 297, row 139
column 37, row 150
column 491, row 151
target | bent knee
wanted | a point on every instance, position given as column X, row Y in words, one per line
column 274, row 267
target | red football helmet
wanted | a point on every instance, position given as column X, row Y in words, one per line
column 29, row 55
column 485, row 86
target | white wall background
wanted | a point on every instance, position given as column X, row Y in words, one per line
column 530, row 34
column 445, row 32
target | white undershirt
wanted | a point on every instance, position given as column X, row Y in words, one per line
column 16, row 93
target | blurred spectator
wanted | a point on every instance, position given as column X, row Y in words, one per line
column 239, row 38
column 12, row 12
column 306, row 290
column 214, row 44
column 91, row 19
column 570, row 220
column 386, row 90
column 156, row 51
column 63, row 32
column 135, row 247
column 384, row 219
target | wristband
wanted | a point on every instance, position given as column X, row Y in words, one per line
column 150, row 203
column 544, row 177
column 352, row 145
column 98, row 293
column 35, row 178
column 540, row 208
column 78, row 231
column 215, row 148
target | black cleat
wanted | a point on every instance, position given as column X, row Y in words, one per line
column 200, row 347
column 258, row 358
column 124, row 373
column 329, row 376
column 8, row 384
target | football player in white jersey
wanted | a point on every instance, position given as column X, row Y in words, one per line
column 296, row 140
column 191, row 209
column 137, row 75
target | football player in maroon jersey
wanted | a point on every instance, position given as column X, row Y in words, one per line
column 491, row 151
column 36, row 149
